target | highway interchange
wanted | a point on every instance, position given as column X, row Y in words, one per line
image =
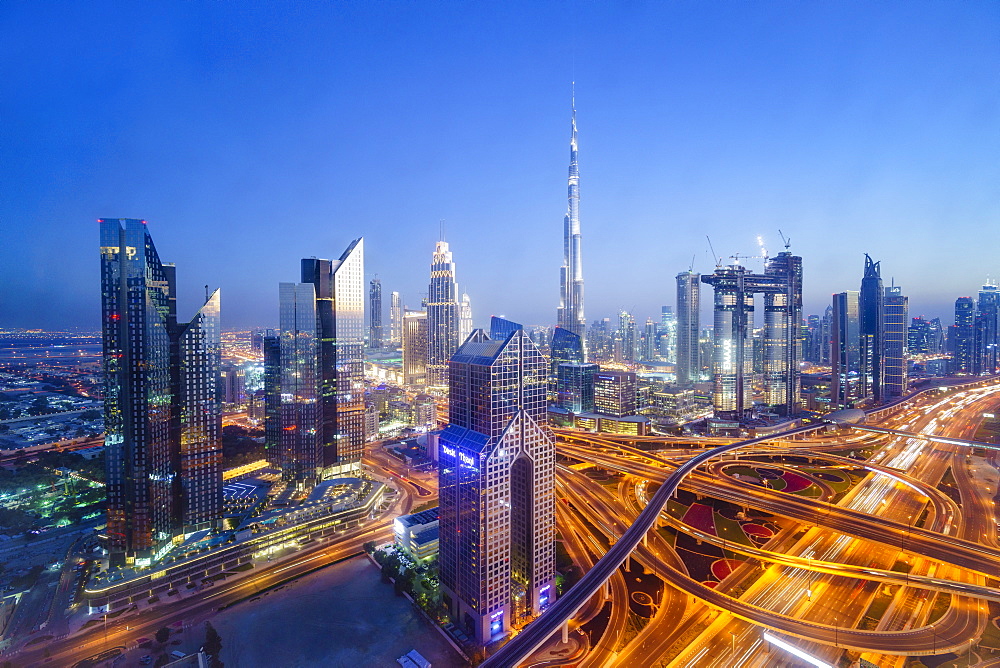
column 895, row 534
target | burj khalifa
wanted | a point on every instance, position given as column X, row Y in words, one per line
column 570, row 315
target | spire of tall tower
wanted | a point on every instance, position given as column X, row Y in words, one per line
column 570, row 314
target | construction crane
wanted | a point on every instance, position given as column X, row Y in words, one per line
column 786, row 241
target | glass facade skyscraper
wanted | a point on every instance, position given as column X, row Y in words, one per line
column 443, row 315
column 375, row 339
column 570, row 313
column 688, row 328
column 497, row 484
column 340, row 322
column 845, row 350
column 299, row 448
column 894, row 349
column 162, row 404
column 871, row 310
column 732, row 360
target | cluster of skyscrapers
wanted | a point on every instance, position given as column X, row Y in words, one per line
column 315, row 417
column 162, row 407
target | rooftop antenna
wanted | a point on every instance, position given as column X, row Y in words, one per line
column 716, row 258
column 787, row 242
column 206, row 293
column 441, row 230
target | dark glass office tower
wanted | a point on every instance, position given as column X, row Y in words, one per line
column 497, row 484
column 688, row 328
column 162, row 408
column 575, row 386
column 845, row 350
column 375, row 314
column 872, row 323
column 895, row 344
column 271, row 344
column 340, row 322
column 566, row 347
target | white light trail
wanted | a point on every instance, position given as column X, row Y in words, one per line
column 792, row 649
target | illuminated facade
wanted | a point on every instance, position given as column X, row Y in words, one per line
column 162, row 401
column 575, row 386
column 299, row 428
column 442, row 315
column 395, row 319
column 961, row 338
column 497, row 484
column 688, row 324
column 871, row 310
column 845, row 350
column 735, row 287
column 375, row 339
column 894, row 352
column 615, row 393
column 570, row 314
column 986, row 338
column 414, row 329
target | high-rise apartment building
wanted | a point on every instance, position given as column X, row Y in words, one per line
column 396, row 319
column 845, row 350
column 497, row 484
column 985, row 335
column 894, row 344
column 340, row 319
column 688, row 328
column 649, row 338
column 625, row 339
column 271, row 345
column 375, row 338
column 442, row 315
column 872, row 324
column 414, row 329
column 600, row 341
column 570, row 313
column 963, row 335
column 667, row 343
column 162, row 407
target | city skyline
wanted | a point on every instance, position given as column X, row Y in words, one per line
column 810, row 136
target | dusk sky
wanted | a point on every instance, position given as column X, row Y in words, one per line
column 251, row 135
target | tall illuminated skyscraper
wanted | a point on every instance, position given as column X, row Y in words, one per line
column 986, row 337
column 570, row 314
column 497, row 484
column 396, row 319
column 300, row 430
column 962, row 335
column 688, row 327
column 845, row 350
column 735, row 287
column 414, row 348
column 464, row 318
column 872, row 322
column 894, row 343
column 162, row 407
column 375, row 339
column 443, row 315
column 340, row 320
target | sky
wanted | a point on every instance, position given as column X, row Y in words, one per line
column 251, row 135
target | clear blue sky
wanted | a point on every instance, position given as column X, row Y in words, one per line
column 253, row 134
